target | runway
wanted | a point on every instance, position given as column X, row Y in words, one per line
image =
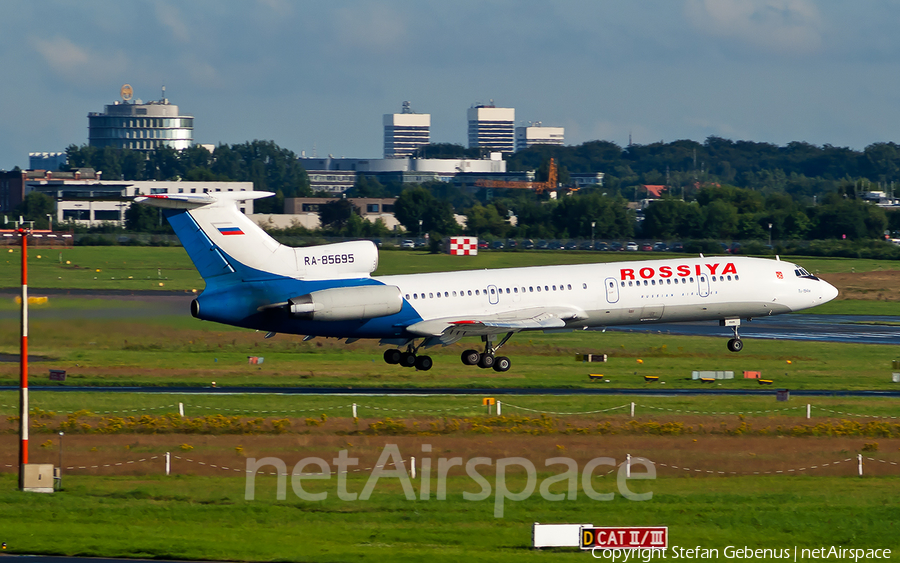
column 860, row 329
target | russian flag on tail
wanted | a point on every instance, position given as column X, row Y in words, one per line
column 230, row 230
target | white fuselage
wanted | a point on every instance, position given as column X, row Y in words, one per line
column 616, row 293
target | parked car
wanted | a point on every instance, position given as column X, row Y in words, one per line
column 528, row 244
column 646, row 247
column 616, row 246
column 676, row 247
column 543, row 245
column 555, row 245
column 601, row 246
column 570, row 245
column 483, row 245
column 660, row 247
column 511, row 243
column 631, row 247
column 587, row 245
column 497, row 245
column 408, row 243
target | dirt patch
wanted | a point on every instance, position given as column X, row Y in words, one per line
column 692, row 455
column 873, row 286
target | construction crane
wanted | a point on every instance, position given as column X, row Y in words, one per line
column 538, row 187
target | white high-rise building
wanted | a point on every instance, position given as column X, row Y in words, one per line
column 405, row 132
column 536, row 134
column 492, row 128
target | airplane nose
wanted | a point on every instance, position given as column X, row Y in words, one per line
column 829, row 292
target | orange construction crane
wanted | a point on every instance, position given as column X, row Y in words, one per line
column 538, row 187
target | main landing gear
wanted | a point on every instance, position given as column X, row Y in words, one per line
column 488, row 359
column 735, row 344
column 408, row 358
column 484, row 360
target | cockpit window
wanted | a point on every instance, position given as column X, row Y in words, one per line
column 803, row 273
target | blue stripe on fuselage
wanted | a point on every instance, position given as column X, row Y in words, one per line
column 236, row 300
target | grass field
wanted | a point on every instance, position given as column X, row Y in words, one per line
column 730, row 471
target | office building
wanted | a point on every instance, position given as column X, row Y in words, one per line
column 537, row 134
column 46, row 160
column 132, row 124
column 405, row 132
column 492, row 128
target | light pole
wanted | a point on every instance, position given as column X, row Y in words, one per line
column 420, row 228
column 770, row 234
column 593, row 224
column 60, row 458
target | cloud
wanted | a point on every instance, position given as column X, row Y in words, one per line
column 370, row 28
column 171, row 17
column 60, row 53
column 777, row 26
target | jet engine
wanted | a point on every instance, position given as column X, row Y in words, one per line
column 348, row 303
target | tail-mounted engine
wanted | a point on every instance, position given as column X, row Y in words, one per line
column 347, row 303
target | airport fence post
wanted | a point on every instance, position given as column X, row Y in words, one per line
column 628, row 465
column 632, row 409
column 807, row 411
column 412, row 467
column 859, row 463
column 354, row 410
column 168, row 463
column 498, row 408
column 181, row 410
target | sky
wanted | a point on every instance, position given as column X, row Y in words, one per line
column 317, row 76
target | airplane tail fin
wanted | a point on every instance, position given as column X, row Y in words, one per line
column 224, row 243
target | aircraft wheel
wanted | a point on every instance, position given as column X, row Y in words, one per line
column 502, row 364
column 486, row 361
column 471, row 357
column 407, row 359
column 735, row 345
column 424, row 363
column 392, row 356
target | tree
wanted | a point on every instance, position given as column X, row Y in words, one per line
column 142, row 218
column 334, row 215
column 417, row 204
column 35, row 207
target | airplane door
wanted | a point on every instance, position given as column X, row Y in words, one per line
column 703, row 285
column 493, row 294
column 612, row 290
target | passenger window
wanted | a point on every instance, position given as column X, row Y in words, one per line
column 554, row 288
column 645, row 282
column 431, row 296
column 415, row 295
column 446, row 294
column 470, row 292
column 629, row 283
column 652, row 282
column 692, row 279
column 669, row 281
column 569, row 286
column 584, row 286
column 407, row 297
column 736, row 278
column 515, row 290
column 539, row 289
column 729, row 278
column 454, row 294
column 507, row 290
column 546, row 288
column 492, row 291
column 531, row 289
column 623, row 284
column 476, row 292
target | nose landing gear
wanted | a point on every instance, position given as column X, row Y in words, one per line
column 734, row 344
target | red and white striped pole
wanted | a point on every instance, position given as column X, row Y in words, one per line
column 23, row 365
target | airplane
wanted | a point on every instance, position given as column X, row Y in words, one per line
column 255, row 282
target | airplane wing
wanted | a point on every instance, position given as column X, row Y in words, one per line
column 448, row 330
